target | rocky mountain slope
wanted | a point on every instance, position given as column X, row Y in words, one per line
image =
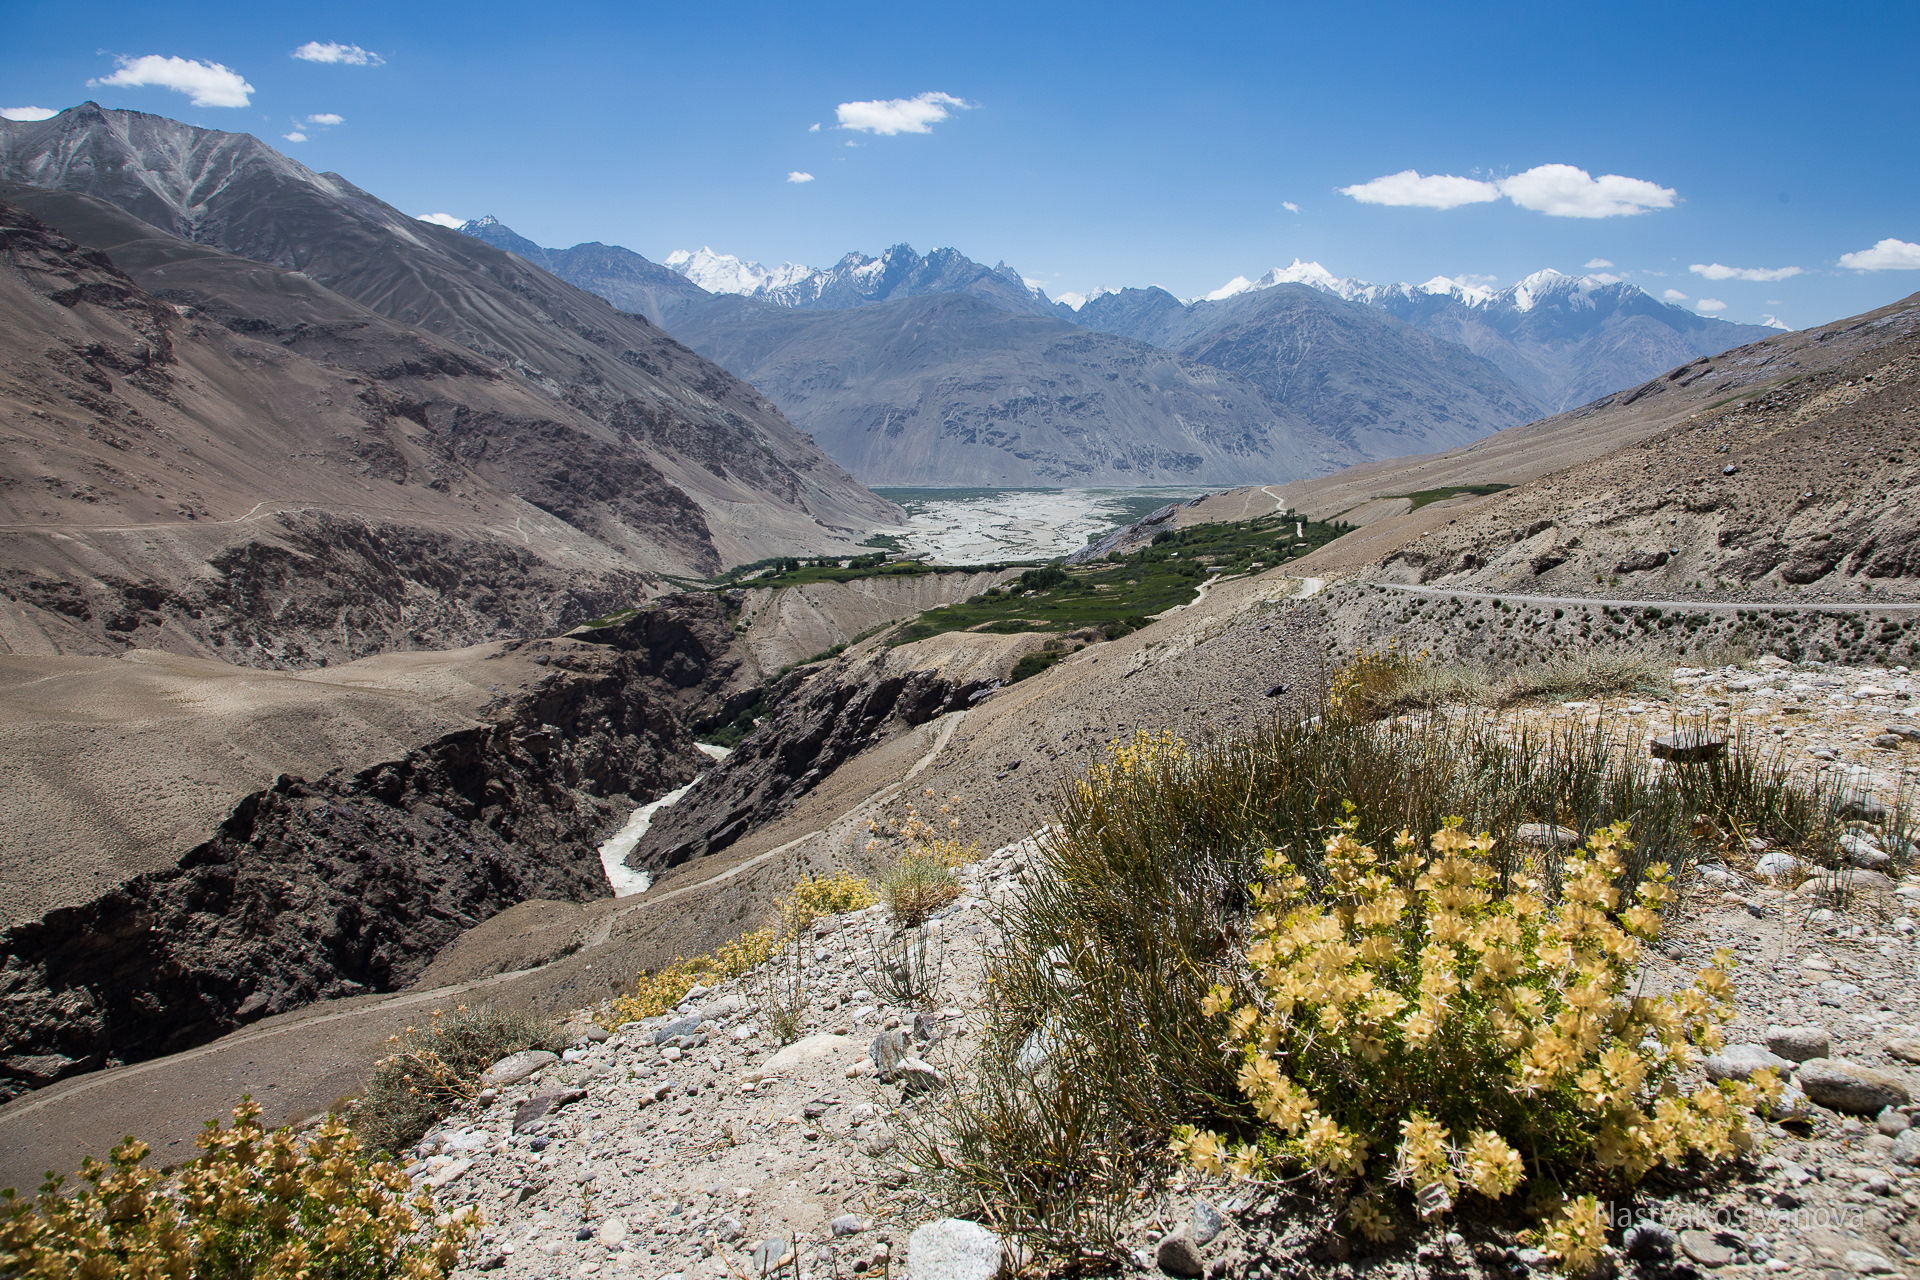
column 949, row 390
column 621, row 276
column 619, row 395
column 1378, row 386
column 454, row 786
column 274, row 475
column 1795, row 479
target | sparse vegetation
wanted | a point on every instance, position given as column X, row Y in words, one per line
column 432, row 1069
column 1119, row 593
column 654, row 993
column 253, row 1204
column 1102, row 1041
column 1422, row 497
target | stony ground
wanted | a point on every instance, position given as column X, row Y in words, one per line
column 695, row 1146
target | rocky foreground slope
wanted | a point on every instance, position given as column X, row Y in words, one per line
column 696, row 1145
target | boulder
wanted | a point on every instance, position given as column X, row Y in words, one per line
column 1179, row 1256
column 1905, row 1050
column 1688, row 746
column 1798, row 1044
column 811, row 1049
column 516, row 1067
column 1906, row 1147
column 1544, row 835
column 953, row 1249
column 678, row 1027
column 1777, row 865
column 1840, row 1085
column 1740, row 1061
column 547, row 1103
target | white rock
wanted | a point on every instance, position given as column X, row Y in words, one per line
column 611, row 1232
column 516, row 1067
column 812, row 1049
column 953, row 1249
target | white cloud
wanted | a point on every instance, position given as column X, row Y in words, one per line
column 888, row 116
column 1605, row 277
column 1674, row 295
column 1596, row 264
column 1562, row 191
column 1714, row 271
column 442, row 220
column 324, row 118
column 1557, row 190
column 797, row 176
column 813, row 128
column 207, row 84
column 1888, row 255
column 1290, row 206
column 27, row 113
column 1709, row 304
column 295, row 136
column 351, row 55
column 1409, row 189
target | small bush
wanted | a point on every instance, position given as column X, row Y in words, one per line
column 916, row 886
column 1405, row 1024
column 921, row 879
column 254, row 1204
column 435, row 1069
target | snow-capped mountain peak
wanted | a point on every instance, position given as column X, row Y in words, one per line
column 724, row 273
column 1075, row 301
column 1307, row 273
column 1471, row 294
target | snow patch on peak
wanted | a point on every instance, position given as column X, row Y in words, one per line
column 1075, row 301
column 724, row 273
column 1472, row 294
column 1311, row 274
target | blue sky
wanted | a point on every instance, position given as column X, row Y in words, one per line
column 1101, row 144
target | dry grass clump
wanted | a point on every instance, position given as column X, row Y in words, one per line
column 1587, row 674
column 254, row 1204
column 434, row 1069
column 1100, row 1042
column 1410, row 1033
column 921, row 879
column 1382, row 682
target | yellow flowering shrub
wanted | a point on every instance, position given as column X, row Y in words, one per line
column 1144, row 755
column 254, row 1204
column 1411, row 1032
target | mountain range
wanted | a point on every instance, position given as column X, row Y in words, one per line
column 1308, row 371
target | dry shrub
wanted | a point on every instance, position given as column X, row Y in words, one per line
column 1587, row 674
column 921, row 879
column 1411, row 1034
column 253, row 1204
column 434, row 1069
column 810, row 898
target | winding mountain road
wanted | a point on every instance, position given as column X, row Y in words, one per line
column 1708, row 606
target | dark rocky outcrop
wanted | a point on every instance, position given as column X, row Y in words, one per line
column 349, row 882
column 823, row 717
